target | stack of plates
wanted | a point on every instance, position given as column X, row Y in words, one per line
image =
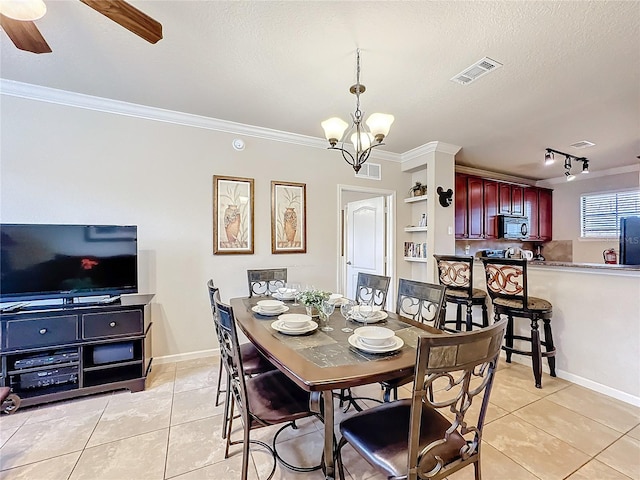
column 294, row 324
column 376, row 317
column 270, row 307
column 375, row 345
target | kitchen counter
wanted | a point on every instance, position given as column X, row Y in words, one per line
column 612, row 268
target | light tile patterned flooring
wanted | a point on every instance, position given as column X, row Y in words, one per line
column 172, row 430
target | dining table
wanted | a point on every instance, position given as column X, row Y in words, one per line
column 323, row 361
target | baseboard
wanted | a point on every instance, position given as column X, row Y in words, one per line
column 182, row 357
column 583, row 382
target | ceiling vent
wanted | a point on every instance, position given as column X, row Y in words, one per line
column 372, row 171
column 582, row 144
column 475, row 71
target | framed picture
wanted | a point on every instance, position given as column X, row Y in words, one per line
column 232, row 215
column 288, row 217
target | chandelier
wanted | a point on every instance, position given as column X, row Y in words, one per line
column 362, row 138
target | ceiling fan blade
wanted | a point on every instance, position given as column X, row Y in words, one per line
column 24, row 35
column 129, row 17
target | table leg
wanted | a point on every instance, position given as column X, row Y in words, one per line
column 329, row 467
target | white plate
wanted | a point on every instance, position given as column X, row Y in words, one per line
column 301, row 320
column 354, row 340
column 278, row 296
column 379, row 315
column 280, row 327
column 270, row 313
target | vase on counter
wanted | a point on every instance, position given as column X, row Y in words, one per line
column 290, row 224
column 232, row 223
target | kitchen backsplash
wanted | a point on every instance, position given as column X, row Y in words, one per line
column 554, row 251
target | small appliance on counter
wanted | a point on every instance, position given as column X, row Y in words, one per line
column 494, row 253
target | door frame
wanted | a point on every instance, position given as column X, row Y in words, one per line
column 390, row 235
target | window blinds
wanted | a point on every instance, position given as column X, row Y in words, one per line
column 600, row 213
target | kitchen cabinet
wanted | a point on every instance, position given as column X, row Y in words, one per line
column 480, row 201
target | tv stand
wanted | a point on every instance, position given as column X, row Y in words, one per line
column 51, row 353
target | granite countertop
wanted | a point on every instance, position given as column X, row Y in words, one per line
column 600, row 266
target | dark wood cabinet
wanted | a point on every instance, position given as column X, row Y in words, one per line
column 59, row 353
column 479, row 202
column 491, row 208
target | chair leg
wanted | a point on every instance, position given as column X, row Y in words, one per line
column 340, row 466
column 229, row 425
column 548, row 340
column 476, row 466
column 459, row 318
column 226, row 413
column 386, row 396
column 245, row 451
column 508, row 338
column 536, row 352
column 485, row 315
column 469, row 317
column 219, row 383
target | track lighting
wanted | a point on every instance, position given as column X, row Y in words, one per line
column 549, row 159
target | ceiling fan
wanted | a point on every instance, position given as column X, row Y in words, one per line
column 17, row 16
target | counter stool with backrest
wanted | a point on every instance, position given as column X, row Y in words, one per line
column 372, row 286
column 254, row 362
column 266, row 281
column 456, row 273
column 508, row 289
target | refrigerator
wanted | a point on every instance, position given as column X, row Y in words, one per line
column 630, row 241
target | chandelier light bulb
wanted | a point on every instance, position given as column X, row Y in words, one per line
column 365, row 141
column 23, row 10
column 334, row 129
column 379, row 124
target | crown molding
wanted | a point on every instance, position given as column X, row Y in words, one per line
column 430, row 148
column 501, row 177
column 590, row 175
column 106, row 105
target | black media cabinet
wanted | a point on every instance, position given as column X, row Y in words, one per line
column 62, row 352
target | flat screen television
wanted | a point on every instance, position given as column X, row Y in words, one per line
column 39, row 262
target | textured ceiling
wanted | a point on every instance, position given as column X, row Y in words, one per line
column 571, row 70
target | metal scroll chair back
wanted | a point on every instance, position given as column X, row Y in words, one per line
column 267, row 281
column 453, row 373
column 372, row 286
column 420, row 301
column 507, row 281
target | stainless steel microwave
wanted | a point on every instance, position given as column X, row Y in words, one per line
column 512, row 226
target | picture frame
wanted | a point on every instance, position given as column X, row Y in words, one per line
column 233, row 231
column 288, row 217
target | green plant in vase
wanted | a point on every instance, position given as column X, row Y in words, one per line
column 312, row 299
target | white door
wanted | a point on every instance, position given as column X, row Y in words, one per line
column 365, row 240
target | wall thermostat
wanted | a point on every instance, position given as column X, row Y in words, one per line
column 238, row 144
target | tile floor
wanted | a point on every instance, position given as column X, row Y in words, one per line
column 172, row 431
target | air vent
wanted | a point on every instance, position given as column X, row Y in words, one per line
column 372, row 171
column 582, row 144
column 475, row 71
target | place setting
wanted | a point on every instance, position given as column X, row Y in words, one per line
column 375, row 339
column 294, row 324
column 367, row 313
column 270, row 308
column 287, row 293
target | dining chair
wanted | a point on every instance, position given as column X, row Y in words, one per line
column 270, row 398
column 422, row 302
column 254, row 362
column 456, row 274
column 266, row 281
column 509, row 291
column 430, row 438
column 372, row 286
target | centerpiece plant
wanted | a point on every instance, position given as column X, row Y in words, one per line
column 313, row 299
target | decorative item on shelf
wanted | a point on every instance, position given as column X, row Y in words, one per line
column 363, row 139
column 445, row 197
column 312, row 300
column 415, row 250
column 549, row 160
column 423, row 220
column 418, row 190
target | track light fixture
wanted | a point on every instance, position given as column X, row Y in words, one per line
column 549, row 159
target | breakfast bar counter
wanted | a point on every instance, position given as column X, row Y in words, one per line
column 596, row 323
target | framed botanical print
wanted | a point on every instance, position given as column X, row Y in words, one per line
column 288, row 217
column 232, row 215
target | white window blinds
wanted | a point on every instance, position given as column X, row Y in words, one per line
column 600, row 213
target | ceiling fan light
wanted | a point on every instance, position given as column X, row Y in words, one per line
column 379, row 124
column 23, row 10
column 365, row 141
column 334, row 128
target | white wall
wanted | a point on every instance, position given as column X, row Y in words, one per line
column 63, row 164
column 566, row 212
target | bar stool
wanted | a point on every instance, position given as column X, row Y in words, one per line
column 507, row 287
column 456, row 274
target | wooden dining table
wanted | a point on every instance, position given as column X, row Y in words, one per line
column 320, row 362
